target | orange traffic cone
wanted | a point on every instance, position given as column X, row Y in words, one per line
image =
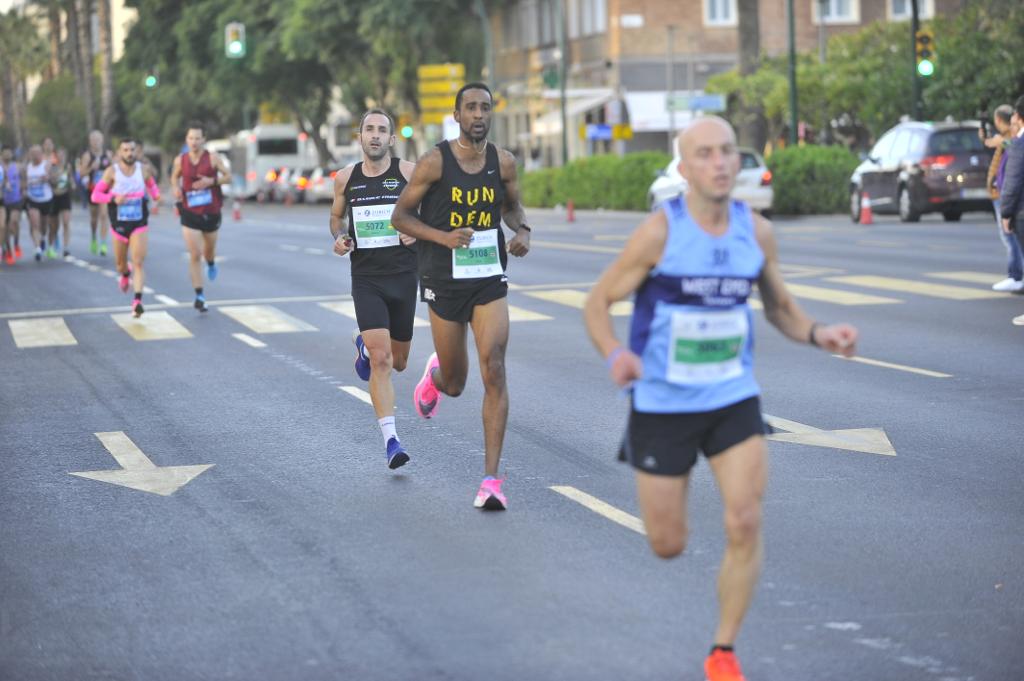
column 865, row 210
column 236, row 210
column 570, row 211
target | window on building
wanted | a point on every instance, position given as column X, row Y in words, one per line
column 719, row 12
column 548, row 20
column 900, row 9
column 528, row 23
column 572, row 10
column 836, row 11
column 510, row 27
column 593, row 16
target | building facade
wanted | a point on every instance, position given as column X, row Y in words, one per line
column 624, row 57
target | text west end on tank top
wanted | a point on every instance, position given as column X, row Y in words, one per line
column 379, row 190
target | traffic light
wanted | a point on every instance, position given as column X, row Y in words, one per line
column 924, row 48
column 151, row 80
column 234, row 40
column 406, row 131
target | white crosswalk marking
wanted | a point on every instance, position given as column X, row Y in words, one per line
column 574, row 298
column 151, row 326
column 923, row 288
column 41, row 333
column 968, row 277
column 265, row 319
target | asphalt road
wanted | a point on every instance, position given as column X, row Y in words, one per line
column 299, row 555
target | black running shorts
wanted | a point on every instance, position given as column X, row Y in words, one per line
column 456, row 304
column 667, row 444
column 61, row 202
column 386, row 302
column 204, row 222
column 44, row 207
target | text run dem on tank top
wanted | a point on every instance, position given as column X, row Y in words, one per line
column 691, row 324
column 371, row 200
column 460, row 199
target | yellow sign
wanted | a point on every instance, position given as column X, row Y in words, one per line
column 441, row 71
column 439, row 87
column 622, row 131
column 437, row 103
column 434, row 117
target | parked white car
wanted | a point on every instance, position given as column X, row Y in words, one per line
column 753, row 184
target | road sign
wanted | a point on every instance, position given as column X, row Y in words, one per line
column 441, row 72
column 599, row 131
column 712, row 103
column 438, row 84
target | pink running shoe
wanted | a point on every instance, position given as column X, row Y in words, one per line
column 426, row 397
column 123, row 282
column 489, row 496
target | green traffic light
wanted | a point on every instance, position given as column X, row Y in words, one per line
column 235, row 47
column 151, row 81
column 406, row 131
column 925, row 67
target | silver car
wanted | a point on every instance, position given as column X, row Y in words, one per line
column 753, row 184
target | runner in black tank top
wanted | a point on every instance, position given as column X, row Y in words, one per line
column 91, row 166
column 463, row 189
column 383, row 267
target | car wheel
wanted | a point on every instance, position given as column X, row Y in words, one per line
column 907, row 212
column 952, row 215
column 855, row 205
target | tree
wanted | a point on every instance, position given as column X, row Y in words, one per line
column 57, row 112
column 22, row 54
column 106, row 66
column 752, row 123
column 85, row 49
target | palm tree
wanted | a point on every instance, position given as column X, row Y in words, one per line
column 71, row 7
column 106, row 66
column 752, row 125
column 22, row 53
column 85, row 49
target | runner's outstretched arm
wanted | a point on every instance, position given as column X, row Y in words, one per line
column 339, row 212
column 783, row 312
column 623, row 277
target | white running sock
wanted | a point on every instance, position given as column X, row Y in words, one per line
column 387, row 428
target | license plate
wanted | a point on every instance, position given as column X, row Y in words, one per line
column 974, row 194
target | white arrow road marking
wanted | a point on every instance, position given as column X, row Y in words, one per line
column 137, row 471
column 867, row 440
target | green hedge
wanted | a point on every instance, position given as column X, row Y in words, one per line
column 811, row 179
column 606, row 181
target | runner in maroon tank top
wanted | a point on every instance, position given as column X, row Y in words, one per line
column 196, row 179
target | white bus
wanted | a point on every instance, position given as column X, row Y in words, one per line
column 258, row 155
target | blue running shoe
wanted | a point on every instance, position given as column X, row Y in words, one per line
column 362, row 361
column 211, row 271
column 200, row 303
column 397, row 456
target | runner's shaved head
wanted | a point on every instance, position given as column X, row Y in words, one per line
column 700, row 129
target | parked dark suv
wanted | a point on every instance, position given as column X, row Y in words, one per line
column 918, row 168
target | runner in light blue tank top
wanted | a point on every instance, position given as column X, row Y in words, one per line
column 689, row 364
column 691, row 323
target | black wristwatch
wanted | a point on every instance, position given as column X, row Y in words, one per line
column 526, row 227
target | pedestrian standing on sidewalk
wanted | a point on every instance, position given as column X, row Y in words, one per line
column 998, row 142
column 1011, row 201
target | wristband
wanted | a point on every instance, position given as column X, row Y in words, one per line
column 526, row 227
column 613, row 355
column 810, row 336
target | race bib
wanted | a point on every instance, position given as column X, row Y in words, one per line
column 372, row 226
column 480, row 259
column 97, row 176
column 706, row 346
column 130, row 211
column 62, row 182
column 37, row 192
column 199, row 197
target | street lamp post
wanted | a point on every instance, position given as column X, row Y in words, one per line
column 915, row 91
column 793, row 116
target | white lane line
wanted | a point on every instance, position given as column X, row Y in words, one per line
column 265, row 319
column 249, row 340
column 897, row 367
column 601, row 508
column 147, row 290
column 357, row 393
column 290, row 248
column 315, row 251
column 166, row 300
column 109, row 273
column 91, row 268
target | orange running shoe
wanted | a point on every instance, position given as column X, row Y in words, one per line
column 9, row 257
column 722, row 665
column 17, row 252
